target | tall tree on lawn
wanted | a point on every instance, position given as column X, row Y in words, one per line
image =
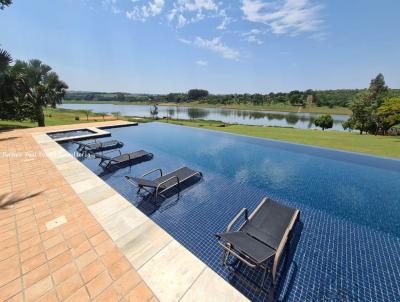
column 43, row 87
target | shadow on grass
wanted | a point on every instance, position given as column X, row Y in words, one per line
column 7, row 200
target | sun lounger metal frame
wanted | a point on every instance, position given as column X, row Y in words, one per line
column 248, row 260
column 158, row 185
column 103, row 146
column 107, row 162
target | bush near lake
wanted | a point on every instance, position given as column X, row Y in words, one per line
column 324, row 122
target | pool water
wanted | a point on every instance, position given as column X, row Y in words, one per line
column 348, row 241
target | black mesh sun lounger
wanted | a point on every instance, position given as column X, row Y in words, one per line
column 262, row 236
column 122, row 159
column 98, row 146
column 163, row 182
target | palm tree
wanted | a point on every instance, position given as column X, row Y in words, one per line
column 42, row 87
column 5, row 61
column 11, row 84
column 4, row 3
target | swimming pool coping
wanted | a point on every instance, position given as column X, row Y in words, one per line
column 97, row 132
column 172, row 272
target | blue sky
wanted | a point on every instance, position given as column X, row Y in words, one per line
column 160, row 46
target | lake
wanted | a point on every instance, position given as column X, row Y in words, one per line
column 248, row 117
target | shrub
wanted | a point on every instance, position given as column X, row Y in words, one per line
column 324, row 122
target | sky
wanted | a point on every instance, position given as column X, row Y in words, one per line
column 224, row 46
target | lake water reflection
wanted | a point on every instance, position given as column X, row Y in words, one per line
column 247, row 117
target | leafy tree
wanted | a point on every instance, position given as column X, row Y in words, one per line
column 324, row 122
column 296, row 98
column 378, row 89
column 117, row 114
column 365, row 115
column 196, row 94
column 362, row 109
column 120, row 96
column 347, row 125
column 388, row 114
column 4, row 3
column 154, row 111
column 87, row 113
column 102, row 114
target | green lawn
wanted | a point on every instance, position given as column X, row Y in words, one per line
column 269, row 107
column 53, row 117
column 388, row 146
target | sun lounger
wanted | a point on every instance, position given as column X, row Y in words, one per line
column 98, row 146
column 163, row 182
column 262, row 237
column 123, row 159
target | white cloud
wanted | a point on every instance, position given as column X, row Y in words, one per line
column 202, row 63
column 181, row 21
column 215, row 45
column 151, row 9
column 254, row 39
column 196, row 5
column 112, row 4
column 193, row 11
column 253, row 36
column 284, row 16
column 225, row 20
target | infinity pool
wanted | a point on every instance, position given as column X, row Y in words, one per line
column 348, row 246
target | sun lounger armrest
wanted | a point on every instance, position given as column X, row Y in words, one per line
column 152, row 171
column 228, row 248
column 165, row 181
column 282, row 244
column 129, row 179
column 234, row 220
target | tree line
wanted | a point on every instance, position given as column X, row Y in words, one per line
column 329, row 98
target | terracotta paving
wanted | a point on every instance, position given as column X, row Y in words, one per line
column 75, row 261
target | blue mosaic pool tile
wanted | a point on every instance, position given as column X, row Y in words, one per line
column 347, row 244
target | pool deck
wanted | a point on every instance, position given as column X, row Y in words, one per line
column 68, row 236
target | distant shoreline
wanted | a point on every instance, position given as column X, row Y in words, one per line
column 268, row 107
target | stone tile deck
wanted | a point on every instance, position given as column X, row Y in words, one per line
column 67, row 235
column 75, row 261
